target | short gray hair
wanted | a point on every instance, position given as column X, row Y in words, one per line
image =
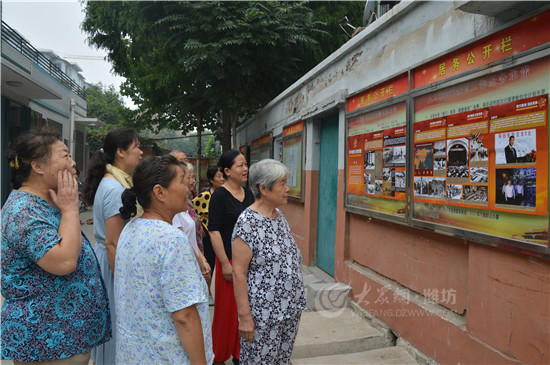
column 266, row 172
column 189, row 166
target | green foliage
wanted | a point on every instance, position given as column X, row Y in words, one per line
column 105, row 103
column 212, row 149
column 95, row 136
column 186, row 61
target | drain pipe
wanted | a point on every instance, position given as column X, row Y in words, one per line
column 72, row 132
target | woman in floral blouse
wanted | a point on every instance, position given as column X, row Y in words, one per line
column 266, row 270
column 56, row 306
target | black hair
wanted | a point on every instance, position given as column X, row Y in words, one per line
column 227, row 160
column 117, row 138
column 34, row 145
column 512, row 136
column 149, row 172
column 211, row 172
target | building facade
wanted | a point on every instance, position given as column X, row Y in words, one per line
column 397, row 149
column 40, row 90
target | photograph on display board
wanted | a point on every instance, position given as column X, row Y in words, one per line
column 436, row 187
column 516, row 188
column 457, row 161
column 394, row 156
column 424, row 159
column 479, row 175
column 388, row 189
column 400, row 181
column 440, row 165
column 454, row 192
column 370, row 189
column 479, row 155
column 378, row 164
column 389, row 174
column 370, row 160
column 439, row 149
column 475, row 194
column 368, row 178
column 378, row 187
column 516, row 147
column 421, row 187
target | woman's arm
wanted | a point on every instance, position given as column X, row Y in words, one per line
column 241, row 259
column 189, row 328
column 61, row 259
column 217, row 245
column 113, row 228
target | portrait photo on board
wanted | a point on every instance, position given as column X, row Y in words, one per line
column 516, row 187
column 516, row 147
column 421, row 187
column 400, row 181
column 439, row 149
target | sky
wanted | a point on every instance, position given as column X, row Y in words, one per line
column 55, row 25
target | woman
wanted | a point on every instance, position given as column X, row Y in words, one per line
column 108, row 175
column 200, row 204
column 189, row 223
column 268, row 283
column 55, row 306
column 227, row 202
column 161, row 298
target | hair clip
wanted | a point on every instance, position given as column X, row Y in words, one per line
column 15, row 163
column 101, row 150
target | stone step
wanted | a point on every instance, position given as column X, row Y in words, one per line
column 389, row 355
column 335, row 332
column 322, row 296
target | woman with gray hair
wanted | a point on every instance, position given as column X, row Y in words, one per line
column 269, row 289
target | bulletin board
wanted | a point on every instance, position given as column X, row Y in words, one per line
column 260, row 149
column 293, row 147
column 376, row 160
column 481, row 155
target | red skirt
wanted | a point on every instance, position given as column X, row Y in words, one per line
column 225, row 324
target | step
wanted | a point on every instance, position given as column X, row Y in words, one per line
column 388, row 355
column 326, row 296
column 336, row 332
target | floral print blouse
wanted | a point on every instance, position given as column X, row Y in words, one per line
column 46, row 316
column 274, row 278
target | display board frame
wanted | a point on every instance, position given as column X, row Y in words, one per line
column 294, row 137
column 541, row 250
column 355, row 208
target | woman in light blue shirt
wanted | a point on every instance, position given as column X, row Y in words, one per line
column 161, row 297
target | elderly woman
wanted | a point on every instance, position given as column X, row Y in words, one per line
column 56, row 307
column 189, row 222
column 161, row 297
column 266, row 270
column 108, row 175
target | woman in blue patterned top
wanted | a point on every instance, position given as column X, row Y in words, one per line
column 269, row 290
column 55, row 306
column 161, row 297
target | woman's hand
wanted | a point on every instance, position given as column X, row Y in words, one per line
column 227, row 271
column 66, row 198
column 246, row 328
column 205, row 269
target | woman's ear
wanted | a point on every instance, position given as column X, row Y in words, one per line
column 120, row 152
column 226, row 170
column 159, row 193
column 263, row 189
column 37, row 167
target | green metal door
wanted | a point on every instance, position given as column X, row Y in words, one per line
column 328, row 191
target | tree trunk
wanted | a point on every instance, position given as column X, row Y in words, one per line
column 226, row 130
column 199, row 152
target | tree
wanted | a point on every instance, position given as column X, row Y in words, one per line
column 105, row 103
column 186, row 61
